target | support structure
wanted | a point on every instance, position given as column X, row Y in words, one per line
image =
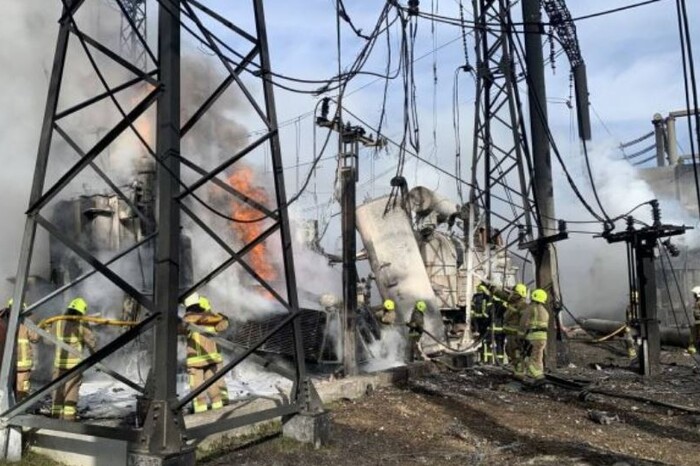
column 350, row 138
column 501, row 161
column 163, row 437
column 133, row 24
column 545, row 260
column 641, row 246
column 349, row 178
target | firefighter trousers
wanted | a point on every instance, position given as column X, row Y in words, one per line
column 514, row 348
column 22, row 384
column 535, row 358
column 217, row 393
column 65, row 398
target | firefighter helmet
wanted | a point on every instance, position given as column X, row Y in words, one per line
column 421, row 306
column 539, row 296
column 204, row 304
column 521, row 290
column 696, row 291
column 78, row 305
column 389, row 305
column 192, row 300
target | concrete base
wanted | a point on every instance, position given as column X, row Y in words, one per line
column 142, row 459
column 309, row 428
column 74, row 449
column 11, row 444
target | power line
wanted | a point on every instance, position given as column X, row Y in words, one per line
column 614, row 10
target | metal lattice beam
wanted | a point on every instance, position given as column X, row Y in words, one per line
column 133, row 25
column 162, row 433
column 501, row 160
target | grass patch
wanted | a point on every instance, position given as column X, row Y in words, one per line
column 29, row 458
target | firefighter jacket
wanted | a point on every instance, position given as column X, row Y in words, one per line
column 385, row 317
column 25, row 357
column 75, row 334
column 23, row 350
column 417, row 324
column 696, row 312
column 515, row 308
column 203, row 351
column 481, row 304
column 534, row 322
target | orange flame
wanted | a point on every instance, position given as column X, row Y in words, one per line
column 258, row 257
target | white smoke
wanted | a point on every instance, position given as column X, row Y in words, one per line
column 593, row 273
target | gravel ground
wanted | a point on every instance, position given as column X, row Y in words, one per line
column 480, row 416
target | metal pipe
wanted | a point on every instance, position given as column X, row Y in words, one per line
column 671, row 141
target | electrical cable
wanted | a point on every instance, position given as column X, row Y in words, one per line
column 519, row 51
column 689, row 67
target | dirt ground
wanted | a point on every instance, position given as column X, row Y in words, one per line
column 479, row 416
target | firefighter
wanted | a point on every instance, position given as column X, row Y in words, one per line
column 77, row 335
column 23, row 354
column 630, row 319
column 387, row 314
column 515, row 307
column 497, row 333
column 695, row 329
column 481, row 302
column 416, row 326
column 480, row 318
column 533, row 324
column 203, row 357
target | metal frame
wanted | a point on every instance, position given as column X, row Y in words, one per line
column 500, row 146
column 163, row 433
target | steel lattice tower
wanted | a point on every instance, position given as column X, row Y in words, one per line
column 162, row 436
column 133, row 23
column 501, row 161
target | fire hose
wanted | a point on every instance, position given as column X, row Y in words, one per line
column 93, row 320
column 609, row 336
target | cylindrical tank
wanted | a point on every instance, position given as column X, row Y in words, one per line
column 424, row 201
column 396, row 261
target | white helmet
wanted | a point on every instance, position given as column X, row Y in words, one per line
column 192, row 299
column 696, row 291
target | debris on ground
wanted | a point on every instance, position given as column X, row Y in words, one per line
column 464, row 418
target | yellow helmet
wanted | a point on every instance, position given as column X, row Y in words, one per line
column 521, row 290
column 421, row 306
column 204, row 304
column 389, row 304
column 78, row 305
column 539, row 296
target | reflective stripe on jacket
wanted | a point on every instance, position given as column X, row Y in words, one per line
column 76, row 335
column 25, row 360
column 203, row 351
column 534, row 322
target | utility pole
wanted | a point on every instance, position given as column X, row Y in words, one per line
column 349, row 178
column 545, row 263
column 641, row 245
column 350, row 139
